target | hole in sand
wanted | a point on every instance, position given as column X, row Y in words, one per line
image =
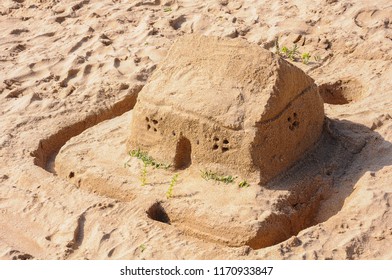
column 60, row 19
column 215, row 147
column 341, row 92
column 157, row 213
column 71, row 174
column 176, row 23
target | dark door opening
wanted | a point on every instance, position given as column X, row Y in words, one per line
column 182, row 158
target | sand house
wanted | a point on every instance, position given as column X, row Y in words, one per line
column 227, row 105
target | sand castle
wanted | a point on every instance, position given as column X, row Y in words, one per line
column 226, row 104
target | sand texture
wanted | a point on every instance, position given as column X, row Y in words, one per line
column 70, row 77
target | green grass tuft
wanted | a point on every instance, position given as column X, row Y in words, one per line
column 169, row 193
column 143, row 175
column 210, row 175
column 305, row 58
column 243, row 184
column 293, row 54
column 148, row 160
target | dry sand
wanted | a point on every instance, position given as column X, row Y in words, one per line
column 69, row 75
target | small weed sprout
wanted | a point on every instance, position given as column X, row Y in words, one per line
column 243, row 184
column 142, row 247
column 285, row 51
column 169, row 193
column 293, row 53
column 147, row 160
column 210, row 175
column 305, row 58
column 227, row 179
column 143, row 175
column 167, row 9
column 126, row 164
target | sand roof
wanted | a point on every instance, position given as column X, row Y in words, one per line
column 229, row 81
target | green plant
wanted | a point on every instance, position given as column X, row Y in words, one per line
column 243, row 184
column 147, row 160
column 292, row 54
column 142, row 247
column 143, row 175
column 305, row 58
column 167, row 9
column 126, row 164
column 210, row 175
column 169, row 193
column 285, row 51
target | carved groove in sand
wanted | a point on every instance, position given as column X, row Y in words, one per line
column 46, row 153
column 49, row 147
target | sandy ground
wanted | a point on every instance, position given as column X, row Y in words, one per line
column 69, row 74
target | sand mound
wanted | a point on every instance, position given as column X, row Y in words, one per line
column 227, row 105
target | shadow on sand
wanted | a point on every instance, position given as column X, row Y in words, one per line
column 319, row 183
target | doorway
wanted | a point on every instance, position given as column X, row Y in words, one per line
column 183, row 158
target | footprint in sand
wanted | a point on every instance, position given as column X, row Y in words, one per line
column 19, row 31
column 79, row 44
column 17, row 49
column 71, row 74
column 373, row 18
